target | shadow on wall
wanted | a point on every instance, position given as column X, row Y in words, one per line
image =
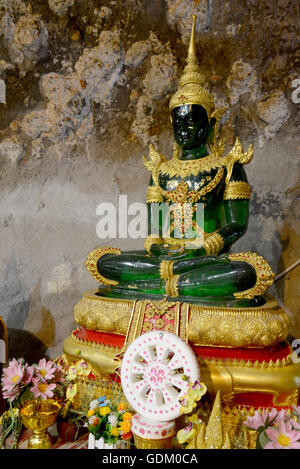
column 14, row 297
column 20, row 310
column 25, row 344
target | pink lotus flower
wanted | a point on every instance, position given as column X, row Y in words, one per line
column 13, row 374
column 264, row 419
column 15, row 377
column 295, row 425
column 297, row 412
column 10, row 393
column 45, row 369
column 282, row 437
column 259, row 418
column 42, row 388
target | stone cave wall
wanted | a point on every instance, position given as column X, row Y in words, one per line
column 87, row 86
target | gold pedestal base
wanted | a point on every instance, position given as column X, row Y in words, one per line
column 262, row 326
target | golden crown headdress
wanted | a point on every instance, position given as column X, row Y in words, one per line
column 191, row 85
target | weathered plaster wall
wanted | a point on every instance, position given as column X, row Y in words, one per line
column 87, row 90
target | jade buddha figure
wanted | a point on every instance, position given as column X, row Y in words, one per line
column 189, row 259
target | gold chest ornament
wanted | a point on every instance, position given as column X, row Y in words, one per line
column 158, row 164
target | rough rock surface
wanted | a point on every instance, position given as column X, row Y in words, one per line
column 87, row 86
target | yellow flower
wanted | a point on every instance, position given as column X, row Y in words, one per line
column 121, row 406
column 196, row 390
column 91, row 412
column 125, row 426
column 187, row 405
column 115, row 431
column 71, row 391
column 127, row 416
column 186, row 434
column 104, row 410
column 83, row 368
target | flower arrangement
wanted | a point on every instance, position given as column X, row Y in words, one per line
column 68, row 412
column 21, row 382
column 189, row 403
column 109, row 421
column 276, row 429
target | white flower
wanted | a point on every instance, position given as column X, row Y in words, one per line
column 113, row 419
column 94, row 404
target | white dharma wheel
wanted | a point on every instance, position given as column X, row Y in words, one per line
column 156, row 370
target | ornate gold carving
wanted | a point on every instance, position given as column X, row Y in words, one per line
column 230, row 377
column 237, row 155
column 152, row 239
column 237, row 190
column 155, row 159
column 166, row 269
column 279, row 363
column 171, row 287
column 279, row 382
column 230, row 327
column 145, row 312
column 264, row 273
column 213, row 244
column 183, row 195
column 154, row 195
column 238, row 327
column 92, row 260
column 106, row 314
column 213, row 435
column 191, row 86
column 184, row 168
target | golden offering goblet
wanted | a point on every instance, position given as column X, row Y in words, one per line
column 38, row 416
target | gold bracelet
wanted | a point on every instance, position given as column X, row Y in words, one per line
column 237, row 190
column 166, row 269
column 213, row 244
column 171, row 286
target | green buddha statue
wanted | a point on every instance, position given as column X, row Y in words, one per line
column 198, row 207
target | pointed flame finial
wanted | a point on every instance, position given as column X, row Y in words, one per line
column 192, row 58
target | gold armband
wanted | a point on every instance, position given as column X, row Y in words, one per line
column 166, row 269
column 152, row 239
column 213, row 244
column 171, row 286
column 153, row 195
column 237, row 190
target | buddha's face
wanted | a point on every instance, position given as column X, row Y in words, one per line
column 190, row 125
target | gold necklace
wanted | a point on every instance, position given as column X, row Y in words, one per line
column 184, row 168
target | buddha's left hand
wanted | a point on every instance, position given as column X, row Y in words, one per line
column 175, row 252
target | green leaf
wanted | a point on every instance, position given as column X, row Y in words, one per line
column 263, row 439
